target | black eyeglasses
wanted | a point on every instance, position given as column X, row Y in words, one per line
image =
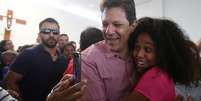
column 48, row 31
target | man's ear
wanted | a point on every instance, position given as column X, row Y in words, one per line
column 38, row 38
column 38, row 34
column 133, row 25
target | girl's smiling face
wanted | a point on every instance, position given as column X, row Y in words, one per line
column 144, row 52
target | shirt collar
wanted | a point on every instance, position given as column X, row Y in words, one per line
column 42, row 47
column 110, row 54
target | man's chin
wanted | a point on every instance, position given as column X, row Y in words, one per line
column 113, row 46
column 51, row 46
column 114, row 49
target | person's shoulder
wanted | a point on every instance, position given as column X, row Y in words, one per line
column 95, row 49
column 35, row 49
column 155, row 82
column 155, row 73
column 94, row 54
column 30, row 49
column 29, row 52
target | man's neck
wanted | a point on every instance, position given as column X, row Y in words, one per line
column 124, row 53
column 51, row 51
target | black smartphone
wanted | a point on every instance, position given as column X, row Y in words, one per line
column 76, row 67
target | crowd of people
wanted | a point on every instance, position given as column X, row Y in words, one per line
column 130, row 59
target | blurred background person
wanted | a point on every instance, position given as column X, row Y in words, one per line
column 63, row 39
column 68, row 51
column 4, row 46
column 199, row 46
column 7, row 58
column 193, row 90
column 22, row 48
column 90, row 36
column 74, row 44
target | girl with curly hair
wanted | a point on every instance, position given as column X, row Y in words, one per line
column 162, row 57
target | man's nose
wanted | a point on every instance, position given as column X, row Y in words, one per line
column 51, row 34
column 110, row 30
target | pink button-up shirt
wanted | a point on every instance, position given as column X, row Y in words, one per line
column 109, row 77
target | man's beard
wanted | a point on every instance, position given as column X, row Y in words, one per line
column 49, row 44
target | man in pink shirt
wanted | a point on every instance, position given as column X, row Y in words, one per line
column 106, row 65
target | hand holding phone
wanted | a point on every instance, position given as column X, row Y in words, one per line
column 76, row 67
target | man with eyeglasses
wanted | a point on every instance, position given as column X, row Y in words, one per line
column 38, row 69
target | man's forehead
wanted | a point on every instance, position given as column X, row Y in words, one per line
column 115, row 13
column 116, row 10
column 49, row 25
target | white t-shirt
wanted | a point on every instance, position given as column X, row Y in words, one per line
column 5, row 96
column 192, row 90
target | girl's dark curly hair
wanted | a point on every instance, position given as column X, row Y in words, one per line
column 173, row 53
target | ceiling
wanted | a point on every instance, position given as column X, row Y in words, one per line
column 92, row 5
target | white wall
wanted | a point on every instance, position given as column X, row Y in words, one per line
column 187, row 13
column 151, row 8
column 33, row 11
